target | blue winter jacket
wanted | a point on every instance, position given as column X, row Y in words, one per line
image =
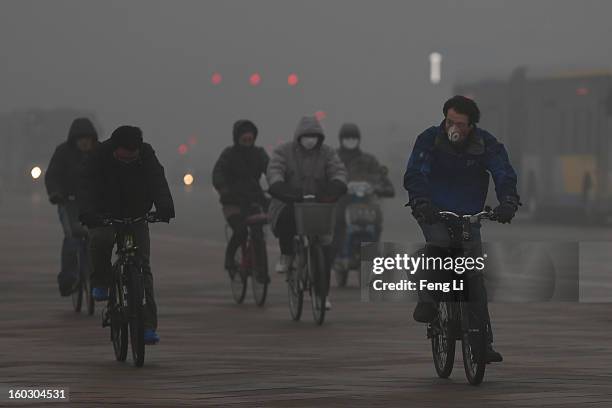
column 458, row 180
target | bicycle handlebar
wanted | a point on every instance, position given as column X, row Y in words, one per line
column 150, row 218
column 487, row 214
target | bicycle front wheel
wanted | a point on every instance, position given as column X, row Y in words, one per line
column 319, row 278
column 295, row 289
column 473, row 344
column 136, row 316
column 443, row 339
column 238, row 279
column 118, row 322
column 259, row 277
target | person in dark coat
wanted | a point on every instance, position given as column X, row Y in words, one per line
column 61, row 181
column 236, row 177
column 124, row 179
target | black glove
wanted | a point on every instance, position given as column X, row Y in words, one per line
column 331, row 192
column 164, row 215
column 56, row 198
column 505, row 211
column 424, row 211
column 285, row 192
column 91, row 220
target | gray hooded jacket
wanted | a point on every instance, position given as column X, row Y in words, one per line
column 301, row 168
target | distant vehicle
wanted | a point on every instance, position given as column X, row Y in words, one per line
column 28, row 139
column 558, row 132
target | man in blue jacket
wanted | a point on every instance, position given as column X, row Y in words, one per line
column 449, row 170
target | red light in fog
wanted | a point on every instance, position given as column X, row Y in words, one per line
column 255, row 79
column 582, row 91
column 320, row 115
column 182, row 149
column 216, row 78
column 293, row 80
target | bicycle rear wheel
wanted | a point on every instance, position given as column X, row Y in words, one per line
column 443, row 339
column 319, row 282
column 259, row 277
column 118, row 322
column 473, row 345
column 239, row 279
column 136, row 317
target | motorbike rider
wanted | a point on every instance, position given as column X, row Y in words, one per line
column 236, row 177
column 449, row 170
column 360, row 166
column 62, row 180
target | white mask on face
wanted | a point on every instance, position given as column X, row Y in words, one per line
column 309, row 142
column 454, row 135
column 350, row 143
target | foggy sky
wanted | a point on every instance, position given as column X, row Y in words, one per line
column 149, row 63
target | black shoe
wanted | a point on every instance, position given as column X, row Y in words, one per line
column 424, row 312
column 493, row 356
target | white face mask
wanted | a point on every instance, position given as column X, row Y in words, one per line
column 350, row 143
column 309, row 142
column 454, row 135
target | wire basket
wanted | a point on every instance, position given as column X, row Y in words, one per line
column 314, row 218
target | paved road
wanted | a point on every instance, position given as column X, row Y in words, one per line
column 216, row 353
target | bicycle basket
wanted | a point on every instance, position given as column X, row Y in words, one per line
column 314, row 218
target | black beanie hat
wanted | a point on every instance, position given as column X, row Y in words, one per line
column 128, row 137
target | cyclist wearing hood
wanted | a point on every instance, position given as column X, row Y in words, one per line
column 236, row 177
column 61, row 181
column 304, row 166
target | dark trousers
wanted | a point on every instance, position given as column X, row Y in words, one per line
column 238, row 226
column 101, row 243
column 438, row 238
column 74, row 260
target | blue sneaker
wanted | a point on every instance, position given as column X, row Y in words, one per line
column 150, row 337
column 100, row 294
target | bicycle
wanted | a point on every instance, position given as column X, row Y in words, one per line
column 455, row 321
column 124, row 312
column 251, row 259
column 307, row 271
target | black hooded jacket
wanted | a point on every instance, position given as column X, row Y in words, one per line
column 111, row 187
column 238, row 170
column 68, row 162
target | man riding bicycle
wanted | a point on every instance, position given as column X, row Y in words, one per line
column 236, row 178
column 447, row 170
column 304, row 166
column 62, row 180
column 124, row 179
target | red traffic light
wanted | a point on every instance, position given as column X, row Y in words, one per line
column 216, row 78
column 255, row 79
column 293, row 80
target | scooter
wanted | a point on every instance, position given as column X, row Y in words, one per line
column 363, row 217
